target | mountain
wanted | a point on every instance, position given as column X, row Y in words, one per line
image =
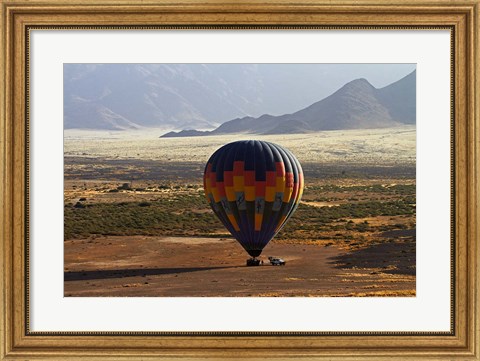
column 123, row 96
column 290, row 127
column 201, row 96
column 185, row 133
column 356, row 105
column 400, row 99
column 181, row 96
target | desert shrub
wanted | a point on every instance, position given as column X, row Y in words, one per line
column 142, row 218
column 177, row 214
column 362, row 227
column 124, row 186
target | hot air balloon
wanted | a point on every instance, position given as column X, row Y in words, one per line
column 253, row 187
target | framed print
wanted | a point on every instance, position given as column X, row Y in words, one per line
column 220, row 180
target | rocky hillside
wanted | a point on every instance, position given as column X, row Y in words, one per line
column 357, row 105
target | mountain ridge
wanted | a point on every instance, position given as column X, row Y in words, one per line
column 356, row 105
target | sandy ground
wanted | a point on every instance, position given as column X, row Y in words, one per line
column 393, row 146
column 185, row 266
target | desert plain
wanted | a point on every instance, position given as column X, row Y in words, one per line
column 137, row 222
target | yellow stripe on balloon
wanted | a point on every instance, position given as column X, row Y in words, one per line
column 258, row 221
column 238, row 183
column 250, row 193
column 233, row 221
column 270, row 194
column 215, row 194
column 287, row 194
column 208, row 186
column 230, row 192
column 281, row 184
column 300, row 193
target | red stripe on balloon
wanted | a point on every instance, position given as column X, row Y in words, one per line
column 296, row 187
column 271, row 179
column 238, row 167
column 213, row 179
column 249, row 178
column 260, row 189
column 221, row 189
column 228, row 178
column 289, row 180
column 280, row 169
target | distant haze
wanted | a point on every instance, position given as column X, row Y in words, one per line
column 203, row 96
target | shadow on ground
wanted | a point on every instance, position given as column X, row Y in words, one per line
column 391, row 257
column 139, row 272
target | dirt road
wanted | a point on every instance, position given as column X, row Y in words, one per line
column 186, row 266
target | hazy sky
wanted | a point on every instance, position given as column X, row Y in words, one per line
column 308, row 83
column 379, row 75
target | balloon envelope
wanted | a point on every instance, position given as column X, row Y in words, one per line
column 253, row 187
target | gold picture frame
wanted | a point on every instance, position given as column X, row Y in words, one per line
column 19, row 17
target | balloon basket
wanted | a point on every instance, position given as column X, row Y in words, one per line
column 253, row 262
